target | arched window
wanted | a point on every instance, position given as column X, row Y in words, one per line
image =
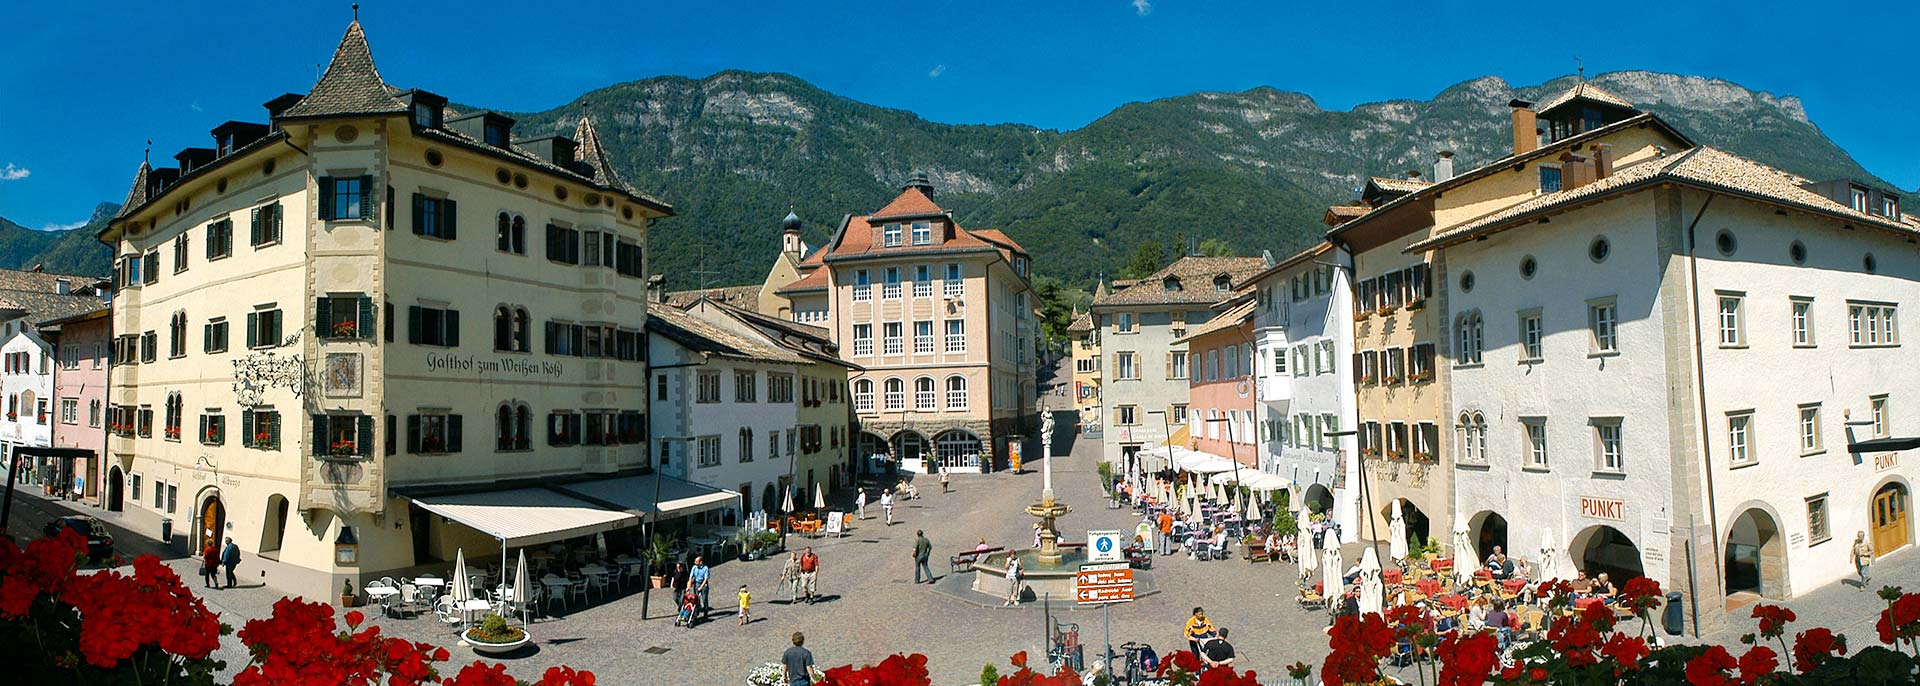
column 1465, row 430
column 503, row 231
column 522, row 326
column 1470, row 331
column 177, row 334
column 502, row 328
column 505, row 428
column 519, row 235
column 956, row 392
column 523, row 427
column 863, row 395
column 746, row 444
column 896, row 394
column 923, row 396
column 1480, row 435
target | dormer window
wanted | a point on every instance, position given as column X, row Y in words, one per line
column 922, row 233
column 223, row 145
column 1890, row 207
column 1170, row 284
column 891, row 235
column 497, row 135
column 1859, row 202
column 426, row 116
column 1549, row 179
column 1222, row 283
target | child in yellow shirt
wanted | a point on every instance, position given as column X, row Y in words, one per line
column 746, row 598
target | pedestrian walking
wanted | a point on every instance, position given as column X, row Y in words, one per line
column 790, row 577
column 746, row 598
column 796, row 665
column 922, row 552
column 1015, row 575
column 210, row 566
column 810, row 574
column 860, row 503
column 679, row 579
column 1166, row 533
column 1199, row 628
column 944, row 487
column 1863, row 558
column 230, row 558
column 886, row 504
column 702, row 580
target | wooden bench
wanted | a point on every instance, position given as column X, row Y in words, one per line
column 960, row 561
column 1256, row 552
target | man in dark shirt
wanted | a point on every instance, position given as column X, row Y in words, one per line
column 1216, row 651
column 797, row 663
column 922, row 552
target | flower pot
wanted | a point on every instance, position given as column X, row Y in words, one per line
column 349, row 600
column 658, row 581
column 496, row 648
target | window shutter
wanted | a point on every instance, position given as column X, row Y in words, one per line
column 368, row 209
column 273, row 430
column 413, row 324
column 419, row 214
column 454, row 431
column 213, row 238
column 553, row 429
column 326, row 206
column 579, row 340
column 322, row 308
column 390, row 206
column 392, row 432
column 320, row 446
column 363, row 445
column 452, row 319
column 279, row 215
column 552, row 338
column 253, row 329
column 387, row 326
column 449, row 218
column 203, row 427
column 365, row 324
column 246, row 428
column 413, row 433
column 206, row 338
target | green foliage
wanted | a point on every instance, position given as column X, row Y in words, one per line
column 494, row 629
column 1057, row 302
column 989, row 676
column 1106, row 474
column 1214, row 247
column 1284, row 523
column 1148, row 257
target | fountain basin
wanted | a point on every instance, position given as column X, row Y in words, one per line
column 1042, row 577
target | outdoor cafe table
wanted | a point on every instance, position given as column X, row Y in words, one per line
column 558, row 584
column 430, row 582
column 597, row 572
column 473, row 605
column 382, row 594
column 705, row 545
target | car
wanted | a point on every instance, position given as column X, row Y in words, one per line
column 99, row 540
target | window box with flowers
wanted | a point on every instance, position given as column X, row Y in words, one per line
column 1416, row 303
column 211, row 437
column 1390, row 379
column 1396, row 454
column 341, row 448
column 173, row 433
column 1423, row 457
column 1370, row 451
column 1385, row 310
column 261, row 440
column 13, row 416
column 1423, row 376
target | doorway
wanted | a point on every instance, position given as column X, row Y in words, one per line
column 1602, row 549
column 1489, row 531
column 1890, row 519
column 1756, row 557
column 115, row 482
column 213, row 521
column 276, row 531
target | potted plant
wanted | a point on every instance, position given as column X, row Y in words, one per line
column 348, row 598
column 767, row 541
column 657, row 553
column 493, row 637
column 341, row 448
column 345, row 330
column 745, row 541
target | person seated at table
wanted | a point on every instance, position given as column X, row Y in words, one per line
column 1501, row 622
column 1352, row 574
column 1350, row 603
column 1602, row 587
column 1477, row 613
column 1217, row 546
column 1272, row 545
column 1499, row 565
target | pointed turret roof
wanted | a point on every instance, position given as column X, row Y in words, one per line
column 590, row 151
column 351, row 84
column 1585, row 91
column 137, row 195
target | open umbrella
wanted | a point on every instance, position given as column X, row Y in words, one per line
column 522, row 586
column 1464, row 557
column 1397, row 531
column 1550, row 568
column 1331, row 574
column 1306, row 554
column 1372, row 594
column 819, row 497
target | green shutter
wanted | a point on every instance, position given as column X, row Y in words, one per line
column 369, row 210
column 322, row 311
column 326, row 205
column 419, row 214
column 454, row 433
column 413, row 324
column 206, row 338
column 365, row 323
column 253, row 235
column 449, row 219
column 320, row 446
column 363, row 445
column 246, row 427
column 279, row 217
column 253, row 333
column 452, row 320
column 273, row 430
column 413, row 433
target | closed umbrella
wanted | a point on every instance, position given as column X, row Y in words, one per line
column 1331, row 573
column 1253, row 512
column 786, row 504
column 1464, row 557
column 1373, row 595
column 461, row 590
column 1306, row 554
column 522, row 587
column 1397, row 530
column 1550, row 568
column 819, row 497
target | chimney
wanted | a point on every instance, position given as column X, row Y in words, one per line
column 1526, row 127
column 1602, row 161
column 1443, row 169
column 1413, row 175
column 1575, row 171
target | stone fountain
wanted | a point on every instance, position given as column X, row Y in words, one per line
column 1047, row 510
column 1048, row 569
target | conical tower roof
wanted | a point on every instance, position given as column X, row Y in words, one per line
column 351, row 84
column 589, row 150
column 137, row 195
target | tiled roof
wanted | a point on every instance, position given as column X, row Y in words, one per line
column 1703, row 167
column 1196, row 276
column 747, row 296
column 36, row 297
column 1225, row 320
column 137, row 195
column 1587, row 91
column 999, row 238
column 699, row 336
column 1082, row 323
column 1392, row 185
column 805, row 339
column 857, row 240
column 1348, row 211
column 1285, row 263
column 522, row 156
column 911, row 202
column 818, row 333
column 351, row 84
column 589, row 150
column 815, row 281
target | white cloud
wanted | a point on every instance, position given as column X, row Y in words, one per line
column 195, row 106
column 937, row 71
column 13, row 173
column 64, row 227
column 1144, row 7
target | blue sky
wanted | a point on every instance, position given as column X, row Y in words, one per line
column 84, row 85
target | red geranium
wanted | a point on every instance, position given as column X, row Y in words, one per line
column 1815, row 646
column 1901, row 619
column 1773, row 619
column 1710, row 668
column 1759, row 661
column 1358, row 644
column 1638, row 595
column 1626, row 651
column 896, row 670
column 1467, row 660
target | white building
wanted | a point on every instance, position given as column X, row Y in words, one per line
column 26, row 381
column 1303, row 327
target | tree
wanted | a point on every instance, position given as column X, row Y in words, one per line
column 1057, row 302
column 1215, row 247
column 1148, row 257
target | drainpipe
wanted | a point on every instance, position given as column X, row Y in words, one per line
column 1706, row 434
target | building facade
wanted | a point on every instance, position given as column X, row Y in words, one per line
column 1303, row 327
column 1147, row 381
column 29, row 299
column 1085, row 354
column 1221, row 376
column 80, row 396
column 313, row 418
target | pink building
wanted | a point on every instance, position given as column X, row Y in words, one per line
column 80, row 343
column 1221, row 414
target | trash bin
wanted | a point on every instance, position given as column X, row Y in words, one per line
column 166, row 530
column 1671, row 619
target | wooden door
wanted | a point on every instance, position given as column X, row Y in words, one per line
column 212, row 521
column 1889, row 519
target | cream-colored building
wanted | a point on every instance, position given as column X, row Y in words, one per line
column 1086, row 371
column 315, row 392
column 941, row 320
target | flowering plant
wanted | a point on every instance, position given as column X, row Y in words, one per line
column 173, row 432
column 1423, row 456
column 212, row 435
column 341, row 448
column 260, row 438
column 1423, row 375
column 1396, row 454
column 346, row 329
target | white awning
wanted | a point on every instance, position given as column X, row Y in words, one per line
column 526, row 516
column 635, row 494
column 1262, row 481
column 1201, row 463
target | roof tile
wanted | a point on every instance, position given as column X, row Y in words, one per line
column 351, row 84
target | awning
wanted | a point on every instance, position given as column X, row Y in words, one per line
column 1883, row 445
column 1202, row 463
column 1262, row 481
column 635, row 494
column 526, row 516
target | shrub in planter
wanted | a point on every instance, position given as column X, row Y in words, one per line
column 494, row 629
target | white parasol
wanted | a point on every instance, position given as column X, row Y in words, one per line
column 522, row 586
column 1373, row 595
column 1550, row 568
column 1331, row 574
column 461, row 590
column 1253, row 512
column 819, row 497
column 1397, row 531
column 786, row 505
column 1464, row 558
column 1305, row 552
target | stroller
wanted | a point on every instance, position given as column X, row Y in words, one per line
column 689, row 607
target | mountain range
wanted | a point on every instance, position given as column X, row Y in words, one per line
column 733, row 152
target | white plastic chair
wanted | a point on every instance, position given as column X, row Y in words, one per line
column 579, row 587
column 553, row 591
column 449, row 615
column 409, row 599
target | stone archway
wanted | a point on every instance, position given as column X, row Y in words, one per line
column 1419, row 528
column 910, row 445
column 1756, row 555
column 1318, row 500
column 111, row 496
column 275, row 530
column 1489, row 530
column 210, row 520
column 1603, row 549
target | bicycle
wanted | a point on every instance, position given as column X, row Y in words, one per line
column 1136, row 669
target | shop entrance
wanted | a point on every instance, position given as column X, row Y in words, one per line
column 1890, row 531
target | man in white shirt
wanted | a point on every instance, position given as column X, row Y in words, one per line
column 886, row 504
